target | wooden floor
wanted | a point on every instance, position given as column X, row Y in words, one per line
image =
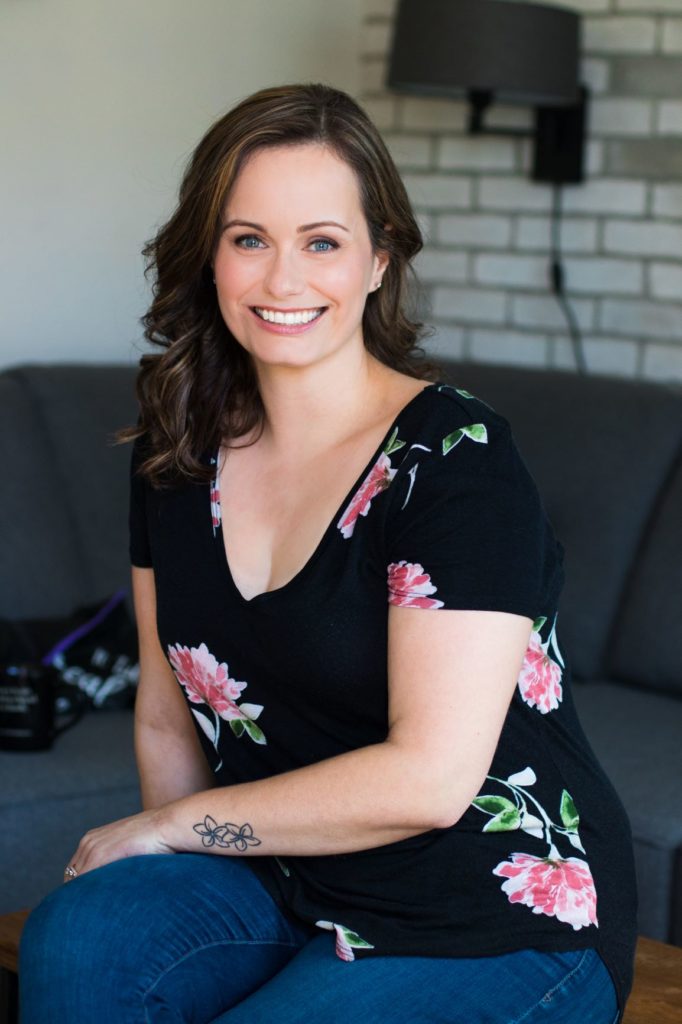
column 656, row 995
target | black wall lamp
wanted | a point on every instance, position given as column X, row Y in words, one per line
column 499, row 51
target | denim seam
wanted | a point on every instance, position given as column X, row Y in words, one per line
column 211, row 945
column 551, row 991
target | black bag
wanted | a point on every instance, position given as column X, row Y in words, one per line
column 53, row 667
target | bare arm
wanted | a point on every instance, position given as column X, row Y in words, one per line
column 170, row 761
column 451, row 678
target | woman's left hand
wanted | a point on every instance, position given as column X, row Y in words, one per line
column 128, row 837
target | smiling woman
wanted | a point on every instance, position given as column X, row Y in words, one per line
column 287, row 280
column 307, row 173
column 362, row 772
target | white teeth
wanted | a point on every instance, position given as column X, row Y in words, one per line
column 287, row 318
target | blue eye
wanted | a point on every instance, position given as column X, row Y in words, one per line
column 324, row 241
column 247, row 238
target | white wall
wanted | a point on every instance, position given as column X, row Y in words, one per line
column 100, row 106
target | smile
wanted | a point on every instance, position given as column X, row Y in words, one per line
column 303, row 316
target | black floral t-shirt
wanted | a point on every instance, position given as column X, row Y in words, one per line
column 445, row 515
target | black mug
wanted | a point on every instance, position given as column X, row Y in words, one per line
column 34, row 706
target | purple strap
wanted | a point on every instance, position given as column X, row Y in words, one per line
column 87, row 627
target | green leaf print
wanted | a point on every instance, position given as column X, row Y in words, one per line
column 451, row 440
column 254, row 731
column 507, row 821
column 539, row 623
column 394, row 443
column 463, row 393
column 493, row 804
column 354, row 940
column 237, row 727
column 569, row 814
column 474, row 431
column 477, row 432
column 284, row 868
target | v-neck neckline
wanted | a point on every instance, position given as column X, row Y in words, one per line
column 219, row 538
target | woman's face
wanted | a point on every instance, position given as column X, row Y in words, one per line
column 295, row 247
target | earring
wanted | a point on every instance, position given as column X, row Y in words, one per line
column 378, row 287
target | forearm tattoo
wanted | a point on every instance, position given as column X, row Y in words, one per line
column 213, row 834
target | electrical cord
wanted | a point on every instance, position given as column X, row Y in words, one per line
column 557, row 281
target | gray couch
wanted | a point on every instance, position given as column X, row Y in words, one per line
column 607, row 455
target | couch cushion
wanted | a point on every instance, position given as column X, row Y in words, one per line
column 653, row 606
column 53, row 797
column 636, row 737
column 613, row 445
column 41, row 571
column 81, row 407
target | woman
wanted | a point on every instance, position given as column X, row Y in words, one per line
column 369, row 794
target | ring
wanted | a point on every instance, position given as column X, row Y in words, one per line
column 70, row 872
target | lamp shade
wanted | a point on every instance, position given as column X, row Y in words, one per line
column 519, row 52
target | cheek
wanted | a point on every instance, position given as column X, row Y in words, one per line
column 349, row 279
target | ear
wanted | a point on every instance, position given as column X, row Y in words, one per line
column 381, row 261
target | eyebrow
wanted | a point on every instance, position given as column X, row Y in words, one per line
column 303, row 227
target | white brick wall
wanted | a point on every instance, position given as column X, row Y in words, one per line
column 484, row 272
column 409, row 151
column 382, row 110
column 668, row 200
column 441, row 265
column 372, row 75
column 438, row 191
column 498, row 193
column 613, row 356
column 642, row 319
column 669, row 119
column 474, row 230
column 576, row 235
column 595, row 73
column 379, row 7
column 601, row 196
column 482, row 154
column 543, row 311
column 469, row 305
column 666, row 280
column 512, row 271
column 447, row 342
column 377, row 37
column 604, row 276
column 663, row 362
column 619, row 34
column 433, row 114
column 672, row 35
column 648, row 5
column 645, row 237
column 513, row 348
column 621, row 117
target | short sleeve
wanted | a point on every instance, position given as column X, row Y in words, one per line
column 140, row 551
column 467, row 528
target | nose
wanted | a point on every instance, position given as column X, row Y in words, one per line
column 284, row 276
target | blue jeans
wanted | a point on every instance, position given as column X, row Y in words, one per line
column 196, row 938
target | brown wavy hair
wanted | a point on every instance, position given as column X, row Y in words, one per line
column 201, row 389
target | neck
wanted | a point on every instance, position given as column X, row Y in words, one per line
column 311, row 409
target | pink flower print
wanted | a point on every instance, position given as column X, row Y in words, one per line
column 409, row 586
column 205, row 681
column 551, row 885
column 216, row 515
column 540, row 677
column 376, row 481
column 346, row 940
